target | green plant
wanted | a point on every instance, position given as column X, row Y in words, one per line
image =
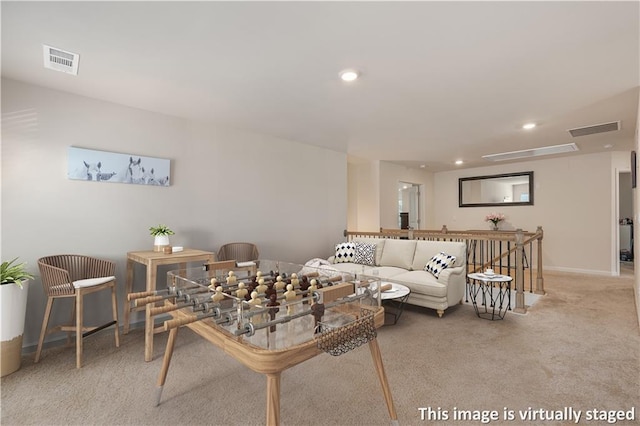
column 160, row 230
column 14, row 274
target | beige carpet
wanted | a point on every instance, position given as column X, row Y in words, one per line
column 578, row 347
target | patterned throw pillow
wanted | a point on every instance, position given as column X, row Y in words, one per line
column 365, row 254
column 438, row 263
column 345, row 253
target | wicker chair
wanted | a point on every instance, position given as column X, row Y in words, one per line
column 74, row 276
column 240, row 252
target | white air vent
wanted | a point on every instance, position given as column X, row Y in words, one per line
column 535, row 152
column 597, row 128
column 60, row 60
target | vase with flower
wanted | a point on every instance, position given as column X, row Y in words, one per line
column 495, row 219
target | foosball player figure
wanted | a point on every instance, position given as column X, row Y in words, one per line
column 270, row 290
column 295, row 282
column 280, row 285
column 255, row 303
column 262, row 287
column 313, row 287
column 273, row 310
column 218, row 295
column 231, row 278
column 304, row 286
column 290, row 296
column 317, row 310
column 241, row 292
column 214, row 284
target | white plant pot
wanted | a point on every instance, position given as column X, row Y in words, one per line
column 160, row 242
column 13, row 307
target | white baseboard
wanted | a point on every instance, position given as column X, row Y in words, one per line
column 579, row 271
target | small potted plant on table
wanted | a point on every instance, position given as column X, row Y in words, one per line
column 161, row 237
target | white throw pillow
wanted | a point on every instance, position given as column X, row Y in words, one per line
column 438, row 263
column 365, row 254
column 345, row 253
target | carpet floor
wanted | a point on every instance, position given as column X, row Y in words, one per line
column 576, row 350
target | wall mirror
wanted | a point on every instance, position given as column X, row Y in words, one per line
column 510, row 189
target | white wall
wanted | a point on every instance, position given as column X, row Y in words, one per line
column 227, row 185
column 364, row 196
column 572, row 202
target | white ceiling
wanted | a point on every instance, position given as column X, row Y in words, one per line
column 440, row 80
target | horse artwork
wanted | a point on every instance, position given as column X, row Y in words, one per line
column 102, row 166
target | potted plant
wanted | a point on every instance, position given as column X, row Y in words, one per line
column 161, row 237
column 13, row 303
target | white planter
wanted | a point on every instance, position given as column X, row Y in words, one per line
column 13, row 307
column 160, row 242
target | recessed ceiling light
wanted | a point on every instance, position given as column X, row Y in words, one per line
column 348, row 75
column 529, row 126
column 458, row 162
column 608, row 146
column 422, row 166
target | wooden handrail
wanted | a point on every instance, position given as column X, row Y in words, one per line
column 486, row 240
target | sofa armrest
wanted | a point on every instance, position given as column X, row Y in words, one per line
column 456, row 280
column 331, row 259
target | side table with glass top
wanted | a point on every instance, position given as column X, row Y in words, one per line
column 395, row 298
column 490, row 294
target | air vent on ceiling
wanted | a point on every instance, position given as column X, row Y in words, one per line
column 597, row 128
column 534, row 152
column 60, row 60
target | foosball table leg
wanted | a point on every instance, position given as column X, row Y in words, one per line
column 168, row 352
column 273, row 399
column 377, row 360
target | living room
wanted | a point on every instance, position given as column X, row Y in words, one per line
column 231, row 182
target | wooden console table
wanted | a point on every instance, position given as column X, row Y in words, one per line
column 151, row 260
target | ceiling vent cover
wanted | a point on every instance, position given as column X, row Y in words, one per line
column 535, row 152
column 597, row 128
column 60, row 60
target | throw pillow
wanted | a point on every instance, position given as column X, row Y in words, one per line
column 438, row 263
column 365, row 254
column 345, row 253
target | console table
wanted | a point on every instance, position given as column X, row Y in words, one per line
column 151, row 260
column 495, row 293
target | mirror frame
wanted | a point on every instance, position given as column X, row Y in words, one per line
column 487, row 177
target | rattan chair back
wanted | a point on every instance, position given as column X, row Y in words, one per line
column 240, row 252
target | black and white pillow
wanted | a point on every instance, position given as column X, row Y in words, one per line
column 438, row 263
column 345, row 253
column 365, row 254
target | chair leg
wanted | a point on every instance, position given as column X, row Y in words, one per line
column 45, row 323
column 79, row 328
column 72, row 321
column 114, row 303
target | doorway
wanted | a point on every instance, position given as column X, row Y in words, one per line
column 408, row 205
column 625, row 223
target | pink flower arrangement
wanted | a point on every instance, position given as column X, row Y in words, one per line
column 495, row 218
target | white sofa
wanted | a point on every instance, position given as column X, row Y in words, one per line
column 403, row 261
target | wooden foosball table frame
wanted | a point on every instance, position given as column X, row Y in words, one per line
column 271, row 363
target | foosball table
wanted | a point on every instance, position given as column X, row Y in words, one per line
column 272, row 319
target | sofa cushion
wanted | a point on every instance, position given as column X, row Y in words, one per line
column 378, row 242
column 345, row 252
column 365, row 254
column 438, row 262
column 398, row 253
column 422, row 282
column 426, row 249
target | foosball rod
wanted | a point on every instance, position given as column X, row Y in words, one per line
column 178, row 295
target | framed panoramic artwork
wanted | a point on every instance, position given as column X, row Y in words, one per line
column 103, row 166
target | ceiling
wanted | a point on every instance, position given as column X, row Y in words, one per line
column 440, row 81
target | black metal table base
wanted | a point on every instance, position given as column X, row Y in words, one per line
column 491, row 300
column 397, row 307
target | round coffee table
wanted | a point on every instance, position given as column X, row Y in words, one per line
column 396, row 298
